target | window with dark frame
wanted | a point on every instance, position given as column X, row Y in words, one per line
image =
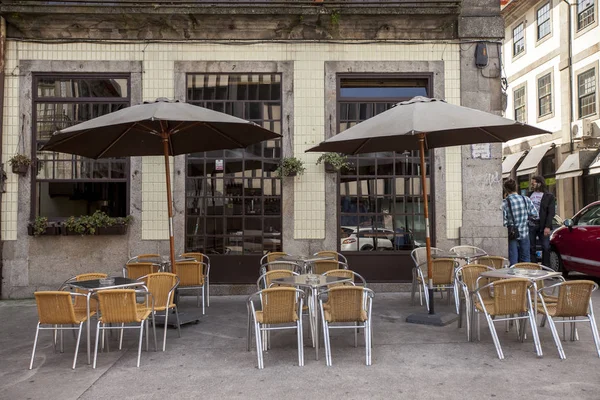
column 585, row 13
column 591, row 189
column 548, row 170
column 519, row 104
column 545, row 95
column 233, row 197
column 381, row 204
column 519, row 39
column 66, row 185
column 586, row 93
column 543, row 21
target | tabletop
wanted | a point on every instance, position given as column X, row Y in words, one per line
column 94, row 284
column 311, row 280
column 532, row 274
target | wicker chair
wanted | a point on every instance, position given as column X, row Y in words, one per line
column 118, row 306
column 150, row 257
column 547, row 295
column 470, row 253
column 139, row 269
column 205, row 261
column 320, row 267
column 272, row 256
column 532, row 266
column 162, row 285
column 278, row 265
column 512, row 298
column 419, row 257
column 329, row 253
column 495, row 262
column 443, row 278
column 191, row 277
column 574, row 300
column 55, row 308
column 279, row 306
column 346, row 273
column 81, row 302
column 466, row 277
column 350, row 306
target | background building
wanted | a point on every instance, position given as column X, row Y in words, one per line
column 550, row 54
column 306, row 70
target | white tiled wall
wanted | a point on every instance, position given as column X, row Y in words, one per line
column 309, row 106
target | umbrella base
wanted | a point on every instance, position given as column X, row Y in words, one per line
column 437, row 319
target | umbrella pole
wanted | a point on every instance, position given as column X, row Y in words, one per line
column 426, row 211
column 165, row 139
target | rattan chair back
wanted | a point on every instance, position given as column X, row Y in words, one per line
column 495, row 262
column 510, row 296
column 118, row 306
column 574, row 298
column 527, row 265
column 419, row 255
column 330, row 253
column 275, row 255
column 55, row 308
column 443, row 271
column 139, row 269
column 278, row 305
column 149, row 256
column 80, row 302
column 267, row 277
column 189, row 273
column 279, row 265
column 467, row 251
column 320, row 267
column 345, row 304
column 200, row 257
column 162, row 286
column 469, row 274
column 345, row 273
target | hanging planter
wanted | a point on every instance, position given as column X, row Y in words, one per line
column 290, row 166
column 20, row 164
column 334, row 162
column 41, row 227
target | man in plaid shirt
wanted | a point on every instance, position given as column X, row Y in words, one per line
column 522, row 210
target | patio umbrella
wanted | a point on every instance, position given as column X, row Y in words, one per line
column 162, row 127
column 423, row 123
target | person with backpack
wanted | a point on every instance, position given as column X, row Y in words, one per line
column 516, row 212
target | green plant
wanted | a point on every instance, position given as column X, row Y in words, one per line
column 336, row 160
column 89, row 224
column 290, row 166
column 39, row 226
column 19, row 160
column 335, row 18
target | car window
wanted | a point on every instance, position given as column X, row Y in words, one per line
column 345, row 232
column 591, row 216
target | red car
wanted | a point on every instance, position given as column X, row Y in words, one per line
column 576, row 245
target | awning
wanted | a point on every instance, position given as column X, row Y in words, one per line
column 594, row 167
column 509, row 163
column 575, row 163
column 533, row 158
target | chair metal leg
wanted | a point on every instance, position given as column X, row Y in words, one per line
column 426, row 295
column 249, row 331
column 203, row 309
column 494, row 336
column 77, row 344
column 121, row 336
column 556, row 337
column 62, row 340
column 207, row 292
column 96, row 346
column 534, row 333
column 165, row 330
column 356, row 335
column 594, row 331
column 154, row 331
column 368, row 339
column 140, row 343
column 258, row 334
column 37, row 331
column 327, row 342
column 146, row 322
column 300, row 342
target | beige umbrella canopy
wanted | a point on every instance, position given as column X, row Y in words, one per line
column 425, row 123
column 163, row 127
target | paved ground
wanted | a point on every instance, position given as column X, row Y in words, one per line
column 210, row 362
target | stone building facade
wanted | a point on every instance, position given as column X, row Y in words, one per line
column 306, row 70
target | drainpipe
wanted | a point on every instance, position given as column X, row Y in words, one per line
column 571, row 111
column 2, row 66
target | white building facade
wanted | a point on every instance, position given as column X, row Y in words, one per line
column 551, row 59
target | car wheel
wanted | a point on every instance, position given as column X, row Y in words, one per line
column 366, row 247
column 556, row 262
